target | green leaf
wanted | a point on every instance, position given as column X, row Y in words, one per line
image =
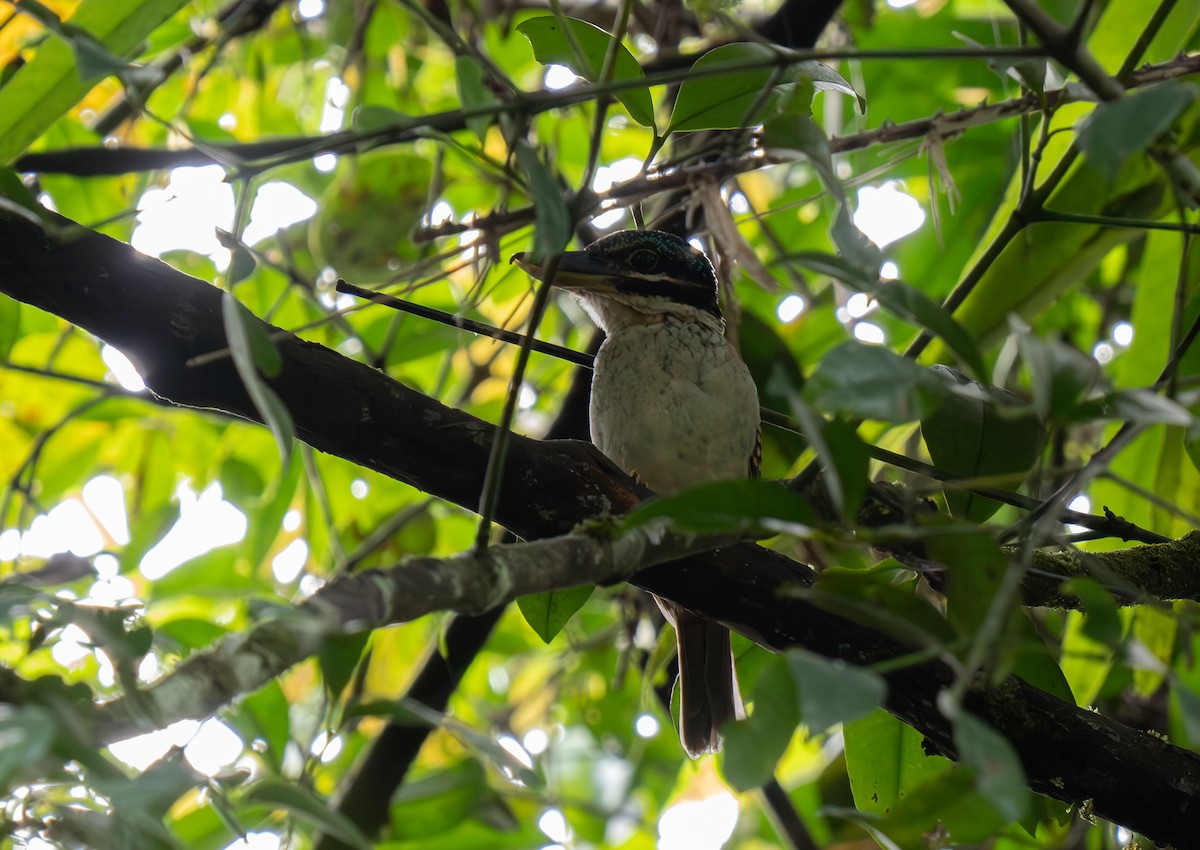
column 980, row 431
column 875, row 598
column 974, row 564
column 1134, row 405
column 1058, row 374
column 299, row 801
column 241, row 263
column 148, row 797
column 15, row 197
column 1084, row 662
column 474, row 93
column 1031, row 73
column 948, row 805
column 49, row 84
column 862, row 256
column 845, row 459
column 554, row 46
column 912, row 304
column 253, row 336
column 26, row 733
column 1124, row 128
column 732, row 507
column 998, row 773
column 1189, row 711
column 547, row 613
column 1102, row 618
column 251, row 350
column 349, row 234
column 92, row 59
column 1033, row 660
column 149, row 528
column 832, row 691
column 191, row 633
column 552, row 217
column 846, row 456
column 16, row 597
column 779, row 377
column 10, row 325
column 439, row 801
column 832, row 265
column 1156, row 631
column 264, row 715
column 339, row 658
column 725, row 88
column 800, row 133
column 885, row 761
column 859, row 259
column 871, row 382
column 754, row 746
column 372, row 118
column 267, row 508
column 825, row 78
column 207, row 828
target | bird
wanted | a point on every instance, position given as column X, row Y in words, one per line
column 674, row 405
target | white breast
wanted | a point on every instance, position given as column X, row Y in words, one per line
column 674, row 403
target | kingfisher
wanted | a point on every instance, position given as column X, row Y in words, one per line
column 674, row 405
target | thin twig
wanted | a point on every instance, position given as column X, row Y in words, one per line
column 494, row 474
column 561, row 352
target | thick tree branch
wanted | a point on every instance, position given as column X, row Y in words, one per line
column 468, row 584
column 163, row 319
column 1064, row 44
column 1160, row 572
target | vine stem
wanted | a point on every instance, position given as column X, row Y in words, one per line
column 494, row 474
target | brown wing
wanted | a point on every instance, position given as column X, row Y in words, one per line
column 756, row 455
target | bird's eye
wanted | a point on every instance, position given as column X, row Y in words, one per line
column 643, row 260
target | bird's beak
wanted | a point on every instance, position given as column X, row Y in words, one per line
column 578, row 270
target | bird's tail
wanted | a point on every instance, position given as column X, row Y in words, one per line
column 708, row 689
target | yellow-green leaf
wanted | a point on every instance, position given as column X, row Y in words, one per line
column 554, row 41
column 49, row 84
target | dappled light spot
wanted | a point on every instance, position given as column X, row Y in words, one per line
column 122, row 369
column 206, row 521
column 886, row 214
column 704, row 824
column 790, row 308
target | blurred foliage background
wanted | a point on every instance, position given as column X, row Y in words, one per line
column 271, row 148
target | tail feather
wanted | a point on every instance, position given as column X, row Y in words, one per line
column 708, row 689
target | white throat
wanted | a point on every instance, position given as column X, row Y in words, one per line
column 615, row 311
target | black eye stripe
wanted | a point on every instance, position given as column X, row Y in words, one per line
column 659, row 264
column 697, row 296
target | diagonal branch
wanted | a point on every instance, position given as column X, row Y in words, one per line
column 472, row 583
